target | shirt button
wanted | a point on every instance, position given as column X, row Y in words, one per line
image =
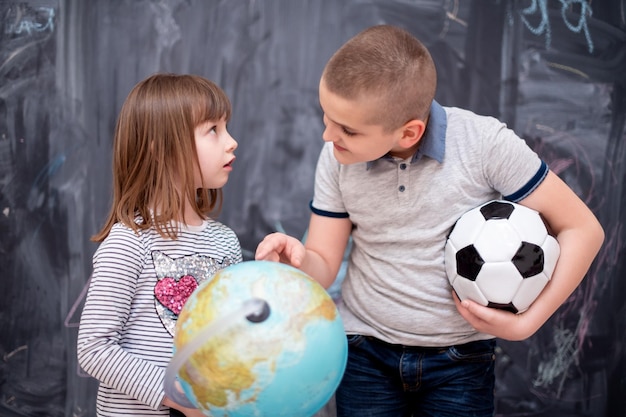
column 403, row 166
column 401, row 188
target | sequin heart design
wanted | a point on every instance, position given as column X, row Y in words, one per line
column 174, row 294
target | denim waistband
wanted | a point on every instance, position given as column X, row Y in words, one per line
column 423, row 349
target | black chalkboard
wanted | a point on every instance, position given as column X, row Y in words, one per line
column 554, row 70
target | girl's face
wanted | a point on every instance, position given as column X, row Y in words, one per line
column 215, row 149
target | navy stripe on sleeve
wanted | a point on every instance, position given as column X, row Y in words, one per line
column 328, row 213
column 530, row 186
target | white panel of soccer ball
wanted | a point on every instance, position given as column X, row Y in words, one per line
column 500, row 254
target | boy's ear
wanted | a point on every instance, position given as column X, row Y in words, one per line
column 412, row 132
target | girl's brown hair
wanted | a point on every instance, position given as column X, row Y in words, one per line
column 389, row 65
column 154, row 153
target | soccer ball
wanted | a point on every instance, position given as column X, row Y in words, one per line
column 500, row 255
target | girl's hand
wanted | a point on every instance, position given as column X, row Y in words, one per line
column 188, row 412
column 193, row 412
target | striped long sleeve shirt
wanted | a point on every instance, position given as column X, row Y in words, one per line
column 125, row 338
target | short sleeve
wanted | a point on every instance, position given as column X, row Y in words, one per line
column 327, row 199
column 511, row 166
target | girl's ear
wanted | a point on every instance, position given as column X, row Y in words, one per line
column 412, row 132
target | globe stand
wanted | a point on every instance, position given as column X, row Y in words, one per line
column 255, row 310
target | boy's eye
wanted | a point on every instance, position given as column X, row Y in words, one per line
column 347, row 132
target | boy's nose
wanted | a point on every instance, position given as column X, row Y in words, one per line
column 328, row 135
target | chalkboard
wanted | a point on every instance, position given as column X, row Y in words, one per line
column 554, row 70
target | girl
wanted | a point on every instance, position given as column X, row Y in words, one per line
column 172, row 155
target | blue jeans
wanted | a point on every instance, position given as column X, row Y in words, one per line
column 384, row 380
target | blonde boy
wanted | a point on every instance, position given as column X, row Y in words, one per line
column 396, row 172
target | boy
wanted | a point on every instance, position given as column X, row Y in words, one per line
column 396, row 172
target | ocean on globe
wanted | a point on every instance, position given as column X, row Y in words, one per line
column 259, row 339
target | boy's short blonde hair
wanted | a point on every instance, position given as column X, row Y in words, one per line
column 389, row 65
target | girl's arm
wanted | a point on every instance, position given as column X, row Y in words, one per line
column 118, row 263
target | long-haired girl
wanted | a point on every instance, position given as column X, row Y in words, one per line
column 172, row 154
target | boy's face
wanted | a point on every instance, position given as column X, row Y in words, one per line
column 349, row 128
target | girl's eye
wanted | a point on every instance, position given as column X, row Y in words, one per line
column 213, row 130
column 347, row 132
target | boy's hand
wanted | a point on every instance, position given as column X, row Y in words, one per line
column 278, row 247
column 498, row 323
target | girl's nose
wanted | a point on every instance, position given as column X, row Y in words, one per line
column 232, row 145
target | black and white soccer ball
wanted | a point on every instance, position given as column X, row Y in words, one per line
column 500, row 255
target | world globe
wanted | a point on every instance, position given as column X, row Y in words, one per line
column 258, row 339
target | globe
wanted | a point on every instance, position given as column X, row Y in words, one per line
column 259, row 339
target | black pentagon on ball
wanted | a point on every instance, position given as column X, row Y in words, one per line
column 469, row 262
column 508, row 307
column 497, row 210
column 528, row 259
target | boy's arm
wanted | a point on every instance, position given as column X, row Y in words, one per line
column 580, row 237
column 320, row 256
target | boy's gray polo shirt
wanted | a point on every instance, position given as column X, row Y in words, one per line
column 395, row 287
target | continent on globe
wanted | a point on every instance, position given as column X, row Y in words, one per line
column 259, row 339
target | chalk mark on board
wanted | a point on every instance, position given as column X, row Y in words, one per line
column 566, row 355
column 41, row 19
column 544, row 26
